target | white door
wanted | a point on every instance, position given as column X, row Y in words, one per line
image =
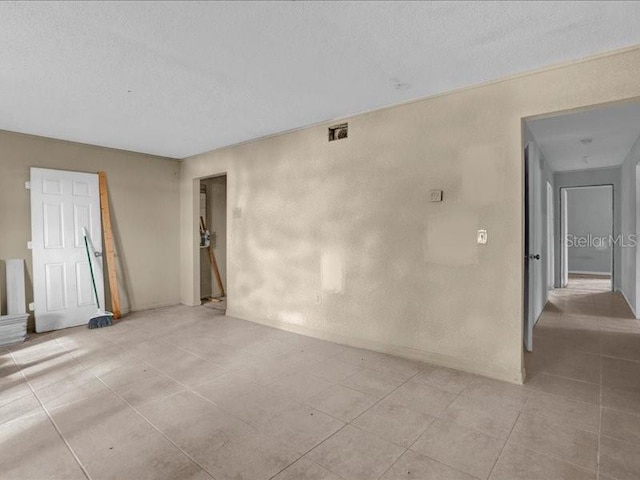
column 534, row 281
column 62, row 203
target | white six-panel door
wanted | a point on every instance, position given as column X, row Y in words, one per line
column 62, row 203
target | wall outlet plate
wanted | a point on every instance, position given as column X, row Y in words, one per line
column 482, row 237
column 435, row 196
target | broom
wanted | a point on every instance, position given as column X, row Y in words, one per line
column 100, row 318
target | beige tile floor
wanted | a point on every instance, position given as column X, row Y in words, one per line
column 188, row 393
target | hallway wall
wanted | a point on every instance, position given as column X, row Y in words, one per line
column 590, row 215
column 629, row 286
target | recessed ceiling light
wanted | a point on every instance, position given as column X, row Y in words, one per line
column 586, row 141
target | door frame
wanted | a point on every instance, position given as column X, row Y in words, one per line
column 526, row 225
column 564, row 214
column 551, row 236
column 196, row 236
column 522, row 144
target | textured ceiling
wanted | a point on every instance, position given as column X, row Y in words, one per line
column 565, row 139
column 178, row 78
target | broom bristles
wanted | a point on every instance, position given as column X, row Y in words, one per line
column 101, row 319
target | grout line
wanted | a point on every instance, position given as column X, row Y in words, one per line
column 599, row 423
column 381, row 399
column 597, row 314
column 394, row 463
column 308, row 460
column 313, row 448
column 140, row 414
column 436, row 417
column 257, row 429
column 561, row 459
column 601, row 332
column 161, row 339
column 504, row 445
column 350, row 423
column 55, row 426
column 308, row 406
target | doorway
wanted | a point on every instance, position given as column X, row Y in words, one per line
column 580, row 172
column 587, row 245
column 213, row 241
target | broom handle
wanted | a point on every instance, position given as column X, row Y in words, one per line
column 212, row 259
column 93, row 282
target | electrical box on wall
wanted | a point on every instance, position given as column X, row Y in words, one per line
column 435, row 196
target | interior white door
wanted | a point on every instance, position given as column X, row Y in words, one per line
column 535, row 283
column 62, row 203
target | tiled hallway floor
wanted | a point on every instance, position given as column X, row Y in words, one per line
column 181, row 393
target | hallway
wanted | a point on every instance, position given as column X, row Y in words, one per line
column 587, row 357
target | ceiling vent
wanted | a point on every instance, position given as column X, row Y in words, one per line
column 338, row 132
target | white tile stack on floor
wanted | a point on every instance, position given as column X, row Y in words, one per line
column 13, row 326
column 184, row 393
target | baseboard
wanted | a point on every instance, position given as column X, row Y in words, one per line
column 624, row 295
column 585, row 272
column 153, row 306
column 491, row 371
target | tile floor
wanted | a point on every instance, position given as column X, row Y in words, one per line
column 188, row 393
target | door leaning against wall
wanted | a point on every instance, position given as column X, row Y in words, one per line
column 62, row 204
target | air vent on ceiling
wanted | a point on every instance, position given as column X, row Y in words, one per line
column 338, row 132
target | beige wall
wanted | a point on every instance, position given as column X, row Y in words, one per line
column 410, row 278
column 144, row 200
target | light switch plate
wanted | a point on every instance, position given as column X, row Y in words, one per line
column 435, row 196
column 482, row 237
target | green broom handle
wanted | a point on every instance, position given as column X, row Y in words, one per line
column 93, row 281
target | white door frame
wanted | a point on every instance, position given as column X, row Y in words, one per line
column 636, row 307
column 196, row 235
column 564, row 214
column 550, row 238
column 564, row 256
